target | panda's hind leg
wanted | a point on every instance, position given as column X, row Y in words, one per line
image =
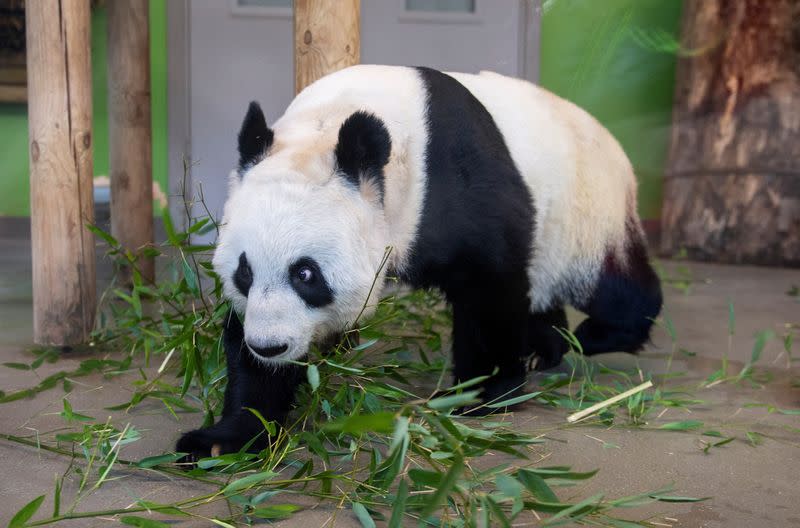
column 623, row 307
column 546, row 344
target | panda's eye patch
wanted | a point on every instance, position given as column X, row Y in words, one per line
column 307, row 280
column 243, row 276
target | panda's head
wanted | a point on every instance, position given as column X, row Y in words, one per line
column 303, row 234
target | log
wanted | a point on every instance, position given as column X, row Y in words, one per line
column 60, row 150
column 326, row 38
column 732, row 184
column 130, row 144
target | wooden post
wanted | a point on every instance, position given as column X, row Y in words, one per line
column 130, row 147
column 60, row 133
column 732, row 187
column 326, row 38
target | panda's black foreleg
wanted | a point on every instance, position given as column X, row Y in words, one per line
column 547, row 345
column 490, row 332
column 269, row 390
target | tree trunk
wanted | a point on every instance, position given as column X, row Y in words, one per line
column 60, row 133
column 732, row 185
column 326, row 38
column 130, row 144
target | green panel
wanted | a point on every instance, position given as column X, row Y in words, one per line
column 158, row 87
column 616, row 59
column 14, row 182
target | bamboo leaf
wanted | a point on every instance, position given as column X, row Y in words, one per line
column 447, row 483
column 27, row 511
column 399, row 508
column 248, row 481
column 276, row 511
column 312, row 373
column 363, row 515
column 684, row 425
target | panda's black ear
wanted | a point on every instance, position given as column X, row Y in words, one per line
column 363, row 149
column 255, row 137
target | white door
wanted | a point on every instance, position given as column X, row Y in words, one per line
column 225, row 54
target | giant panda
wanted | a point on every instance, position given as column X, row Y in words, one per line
column 510, row 200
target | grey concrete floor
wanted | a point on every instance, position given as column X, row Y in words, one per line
column 750, row 486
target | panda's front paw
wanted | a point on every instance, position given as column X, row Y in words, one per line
column 197, row 444
column 211, row 442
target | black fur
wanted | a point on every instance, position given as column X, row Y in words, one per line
column 255, row 137
column 475, row 236
column 363, row 149
column 243, row 276
column 624, row 304
column 546, row 344
column 315, row 292
column 269, row 390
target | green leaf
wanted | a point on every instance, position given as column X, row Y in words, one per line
column 444, row 403
column 153, row 461
column 399, row 508
column 513, row 401
column 18, row 366
column 562, row 472
column 248, row 481
column 363, row 515
column 191, row 277
column 499, row 515
column 312, row 373
column 684, row 425
column 142, row 522
column 276, row 511
column 469, row 383
column 425, row 477
column 580, row 509
column 508, row 486
column 27, row 511
column 382, row 422
column 673, row 498
column 110, row 240
column 536, row 485
column 445, row 486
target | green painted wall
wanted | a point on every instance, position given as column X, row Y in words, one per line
column 14, row 183
column 616, row 59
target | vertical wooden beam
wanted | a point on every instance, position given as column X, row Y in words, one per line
column 326, row 38
column 60, row 133
column 130, row 144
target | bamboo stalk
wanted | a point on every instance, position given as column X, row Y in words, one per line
column 580, row 415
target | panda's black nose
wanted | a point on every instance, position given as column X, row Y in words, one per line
column 270, row 351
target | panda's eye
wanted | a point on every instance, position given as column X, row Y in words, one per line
column 305, row 274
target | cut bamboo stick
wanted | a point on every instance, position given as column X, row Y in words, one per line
column 572, row 418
